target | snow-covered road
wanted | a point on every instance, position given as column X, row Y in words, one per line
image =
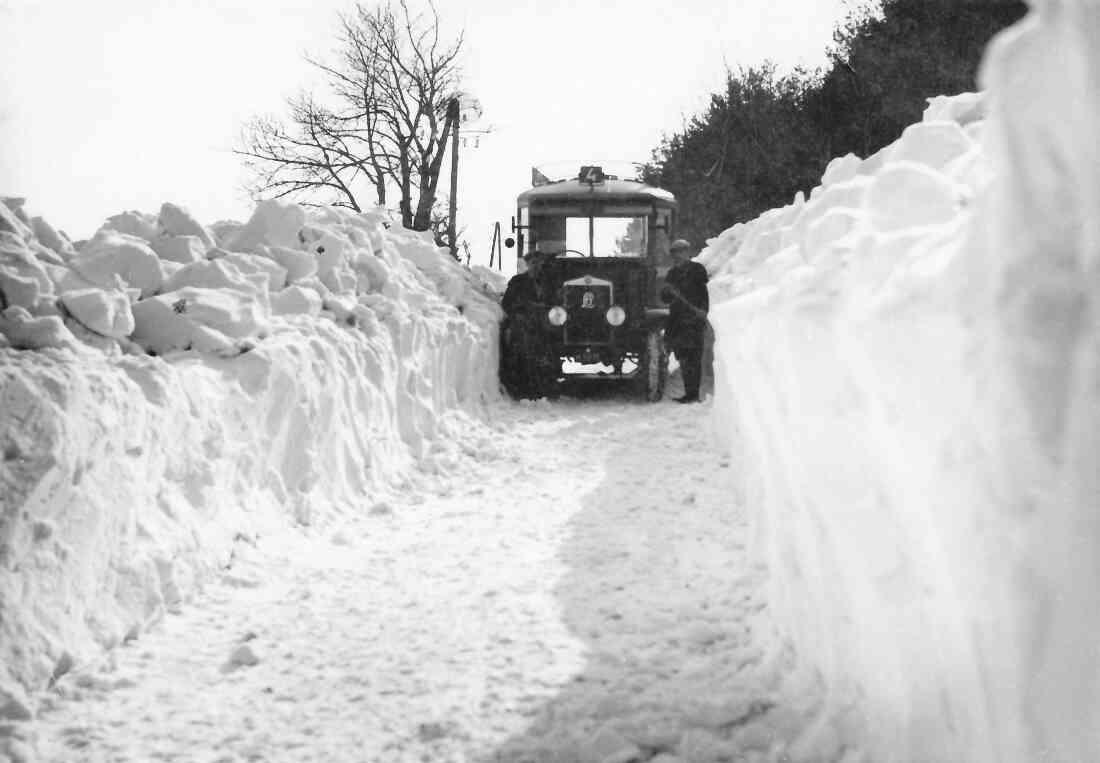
column 566, row 596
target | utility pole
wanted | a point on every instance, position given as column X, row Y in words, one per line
column 452, row 236
column 461, row 109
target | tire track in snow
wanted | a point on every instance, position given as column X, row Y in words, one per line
column 580, row 587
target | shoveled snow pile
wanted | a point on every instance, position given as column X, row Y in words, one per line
column 912, row 360
column 168, row 390
column 494, row 280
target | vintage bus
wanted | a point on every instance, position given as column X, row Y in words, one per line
column 602, row 235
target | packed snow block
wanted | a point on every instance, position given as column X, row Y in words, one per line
column 49, row 236
column 331, row 251
column 10, row 223
column 342, row 307
column 222, row 273
column 274, row 223
column 59, row 273
column 915, row 401
column 178, row 320
column 27, row 332
column 910, row 195
column 16, row 204
column 222, row 230
column 340, row 279
column 934, row 144
column 110, row 256
column 971, row 168
column 133, row 223
column 46, row 255
column 446, row 277
column 66, row 279
column 299, row 265
column 104, row 312
column 841, row 170
column 330, row 247
column 296, row 300
column 169, row 269
column 177, row 221
column 842, row 196
column 185, row 249
column 159, row 328
column 963, row 109
column 20, row 290
column 255, row 264
column 830, row 228
column 24, row 280
column 372, row 274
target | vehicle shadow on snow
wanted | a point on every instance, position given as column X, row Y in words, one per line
column 657, row 590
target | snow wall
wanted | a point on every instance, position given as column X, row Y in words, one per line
column 170, row 389
column 911, row 358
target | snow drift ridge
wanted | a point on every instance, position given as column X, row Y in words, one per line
column 912, row 360
column 193, row 388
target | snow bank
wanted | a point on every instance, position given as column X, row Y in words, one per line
column 911, row 358
column 494, row 280
column 154, row 413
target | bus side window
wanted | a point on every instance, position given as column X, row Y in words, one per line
column 526, row 236
column 662, row 258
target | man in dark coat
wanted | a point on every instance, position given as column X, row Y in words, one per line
column 522, row 291
column 686, row 292
column 525, row 369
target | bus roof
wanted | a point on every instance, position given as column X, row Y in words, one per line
column 608, row 190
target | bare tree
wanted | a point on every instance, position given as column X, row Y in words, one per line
column 310, row 158
column 440, row 226
column 392, row 89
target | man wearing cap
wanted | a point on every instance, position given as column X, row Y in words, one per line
column 686, row 292
column 521, row 334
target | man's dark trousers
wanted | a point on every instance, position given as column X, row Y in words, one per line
column 691, row 366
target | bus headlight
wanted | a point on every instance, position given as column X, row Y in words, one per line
column 616, row 315
column 557, row 316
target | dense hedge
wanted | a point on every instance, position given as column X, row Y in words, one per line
column 769, row 135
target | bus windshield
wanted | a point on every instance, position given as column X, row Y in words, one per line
column 591, row 236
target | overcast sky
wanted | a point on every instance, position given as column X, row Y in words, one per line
column 123, row 104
